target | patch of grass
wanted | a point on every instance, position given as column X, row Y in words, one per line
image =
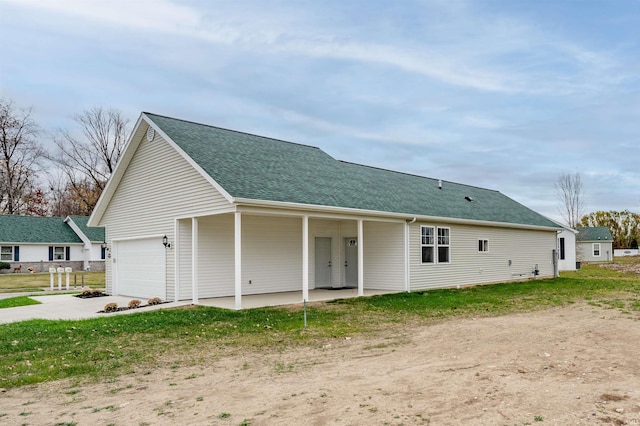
column 10, row 283
column 14, row 302
column 98, row 349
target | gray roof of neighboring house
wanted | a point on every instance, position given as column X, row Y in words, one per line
column 593, row 233
column 44, row 230
column 261, row 168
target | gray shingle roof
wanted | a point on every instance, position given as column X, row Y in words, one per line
column 94, row 233
column 261, row 168
column 593, row 233
column 35, row 229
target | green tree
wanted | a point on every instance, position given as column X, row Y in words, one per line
column 623, row 225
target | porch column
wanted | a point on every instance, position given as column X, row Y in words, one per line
column 238, row 258
column 194, row 260
column 305, row 258
column 360, row 258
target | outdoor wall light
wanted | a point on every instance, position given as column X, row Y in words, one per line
column 165, row 242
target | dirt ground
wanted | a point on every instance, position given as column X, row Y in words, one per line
column 578, row 365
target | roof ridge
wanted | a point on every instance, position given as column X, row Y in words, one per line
column 232, row 130
column 416, row 175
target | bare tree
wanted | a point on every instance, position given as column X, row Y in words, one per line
column 19, row 158
column 569, row 193
column 88, row 162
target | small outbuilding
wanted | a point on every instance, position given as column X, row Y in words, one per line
column 594, row 244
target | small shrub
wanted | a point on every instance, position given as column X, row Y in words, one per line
column 97, row 292
column 154, row 301
column 4, row 265
column 111, row 307
column 135, row 303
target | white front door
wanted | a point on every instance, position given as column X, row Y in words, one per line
column 323, row 262
column 351, row 262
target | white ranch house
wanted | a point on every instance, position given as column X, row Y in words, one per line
column 194, row 211
column 40, row 242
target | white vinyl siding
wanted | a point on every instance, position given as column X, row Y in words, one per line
column 271, row 254
column 585, row 251
column 157, row 186
column 184, row 261
column 524, row 248
column 384, row 256
column 215, row 256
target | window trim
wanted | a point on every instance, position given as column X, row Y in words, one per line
column 443, row 245
column 4, row 253
column 432, row 245
column 593, row 250
column 483, row 245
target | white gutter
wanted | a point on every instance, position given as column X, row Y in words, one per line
column 407, row 254
column 403, row 216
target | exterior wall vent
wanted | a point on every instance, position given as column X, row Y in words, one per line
column 150, row 133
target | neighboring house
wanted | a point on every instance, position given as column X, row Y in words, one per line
column 194, row 211
column 594, row 244
column 41, row 242
column 567, row 249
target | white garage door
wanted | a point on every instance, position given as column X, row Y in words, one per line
column 140, row 268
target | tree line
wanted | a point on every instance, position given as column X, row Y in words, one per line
column 69, row 178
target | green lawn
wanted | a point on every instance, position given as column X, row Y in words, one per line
column 14, row 302
column 10, row 283
column 37, row 351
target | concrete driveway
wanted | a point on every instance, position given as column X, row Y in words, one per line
column 68, row 307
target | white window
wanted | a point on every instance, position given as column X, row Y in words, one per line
column 443, row 245
column 428, row 244
column 596, row 249
column 6, row 253
column 483, row 245
column 58, row 253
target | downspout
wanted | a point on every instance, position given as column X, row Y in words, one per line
column 407, row 254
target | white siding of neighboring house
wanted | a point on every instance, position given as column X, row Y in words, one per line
column 468, row 266
column 384, row 256
column 157, row 186
column 585, row 251
column 569, row 261
column 35, row 253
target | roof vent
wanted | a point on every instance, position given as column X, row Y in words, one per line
column 151, row 133
column 440, row 183
column 469, row 199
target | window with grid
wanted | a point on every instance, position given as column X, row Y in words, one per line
column 427, row 234
column 596, row 249
column 6, row 253
column 443, row 245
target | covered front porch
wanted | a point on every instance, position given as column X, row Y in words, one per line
column 250, row 257
column 286, row 298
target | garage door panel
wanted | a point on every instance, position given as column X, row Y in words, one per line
column 140, row 266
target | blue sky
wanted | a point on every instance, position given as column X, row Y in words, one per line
column 504, row 94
